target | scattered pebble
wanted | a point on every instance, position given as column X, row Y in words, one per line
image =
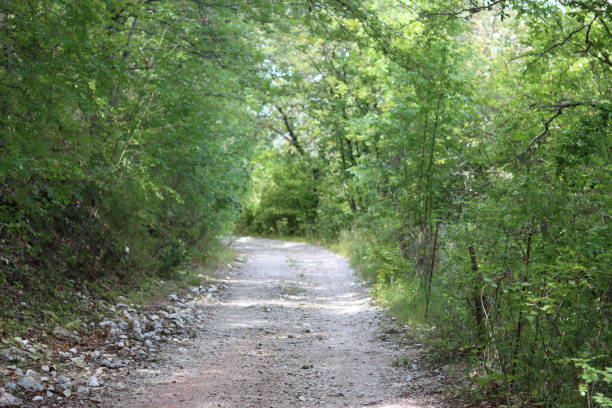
column 130, row 336
column 93, row 381
column 82, row 390
column 9, row 400
column 27, row 383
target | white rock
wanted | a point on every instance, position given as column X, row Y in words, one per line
column 93, row 381
column 33, row 374
column 138, row 333
column 82, row 390
column 37, row 398
column 29, row 384
column 67, row 392
column 78, row 361
column 12, row 354
column 63, row 379
column 119, row 386
column 65, row 386
column 107, row 323
column 9, row 400
column 113, row 363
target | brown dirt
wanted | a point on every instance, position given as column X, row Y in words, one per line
column 295, row 328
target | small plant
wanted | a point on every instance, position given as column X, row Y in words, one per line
column 400, row 362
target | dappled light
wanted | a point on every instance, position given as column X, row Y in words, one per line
column 456, row 153
column 265, row 345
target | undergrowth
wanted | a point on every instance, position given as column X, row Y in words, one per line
column 38, row 303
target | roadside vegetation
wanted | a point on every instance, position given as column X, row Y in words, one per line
column 458, row 151
column 123, row 126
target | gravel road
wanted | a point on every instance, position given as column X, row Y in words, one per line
column 294, row 328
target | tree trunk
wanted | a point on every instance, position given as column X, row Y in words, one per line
column 477, row 300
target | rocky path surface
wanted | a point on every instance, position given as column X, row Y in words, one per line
column 294, row 328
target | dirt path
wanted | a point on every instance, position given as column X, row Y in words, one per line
column 294, row 329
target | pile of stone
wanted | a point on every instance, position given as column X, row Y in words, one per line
column 130, row 336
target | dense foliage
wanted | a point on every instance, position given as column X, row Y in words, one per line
column 123, row 125
column 461, row 151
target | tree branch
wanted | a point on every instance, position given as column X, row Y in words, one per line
column 476, row 8
column 293, row 139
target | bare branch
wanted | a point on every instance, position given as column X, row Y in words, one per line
column 293, row 139
column 539, row 138
column 476, row 8
column 573, row 104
